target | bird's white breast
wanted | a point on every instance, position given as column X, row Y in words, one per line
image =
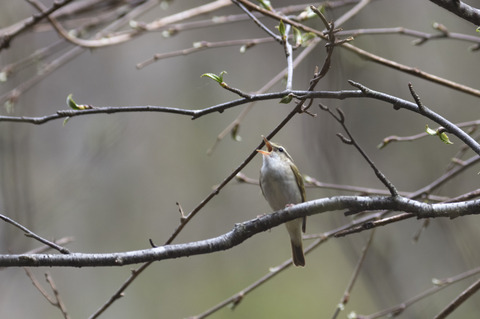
column 279, row 184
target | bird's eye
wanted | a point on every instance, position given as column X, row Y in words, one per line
column 280, row 149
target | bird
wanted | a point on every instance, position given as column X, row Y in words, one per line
column 282, row 186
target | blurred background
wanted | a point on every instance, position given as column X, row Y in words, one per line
column 112, row 181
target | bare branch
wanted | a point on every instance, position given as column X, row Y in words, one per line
column 470, row 291
column 439, row 284
column 238, row 297
column 245, row 230
column 399, row 103
column 461, row 9
column 62, row 114
column 31, row 234
column 54, row 301
column 58, row 301
column 119, row 293
column 356, row 272
column 258, row 23
column 422, row 37
column 7, row 37
column 340, row 118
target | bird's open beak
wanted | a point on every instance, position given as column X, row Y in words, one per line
column 269, row 147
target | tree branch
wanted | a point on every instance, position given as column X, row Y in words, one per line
column 7, row 37
column 245, row 230
column 31, row 234
column 461, row 9
column 470, row 291
column 399, row 103
column 62, row 114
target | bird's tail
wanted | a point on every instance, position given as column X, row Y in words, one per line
column 294, row 228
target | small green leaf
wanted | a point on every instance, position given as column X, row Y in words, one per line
column 281, row 28
column 213, row 76
column 297, row 35
column 66, row 120
column 441, row 134
column 429, row 131
column 286, row 99
column 71, row 103
column 444, row 137
column 266, row 4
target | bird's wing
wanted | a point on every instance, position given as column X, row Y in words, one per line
column 301, row 186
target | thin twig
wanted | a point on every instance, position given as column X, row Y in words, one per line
column 203, row 45
column 62, row 114
column 39, row 287
column 258, row 23
column 303, row 54
column 119, row 292
column 422, row 37
column 62, row 241
column 58, row 301
column 289, row 55
column 31, row 234
column 54, row 301
column 411, row 70
column 262, row 90
column 467, row 293
column 439, row 284
column 340, row 118
column 373, row 222
column 427, row 112
column 239, row 296
column 355, row 274
column 311, row 182
column 6, row 38
column 368, row 55
column 72, row 53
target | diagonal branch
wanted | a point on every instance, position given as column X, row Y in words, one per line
column 461, row 9
column 340, row 118
column 439, row 284
column 31, row 234
column 470, row 291
column 400, row 103
column 7, row 37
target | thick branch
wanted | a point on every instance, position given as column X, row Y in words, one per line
column 245, row 230
column 461, row 9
